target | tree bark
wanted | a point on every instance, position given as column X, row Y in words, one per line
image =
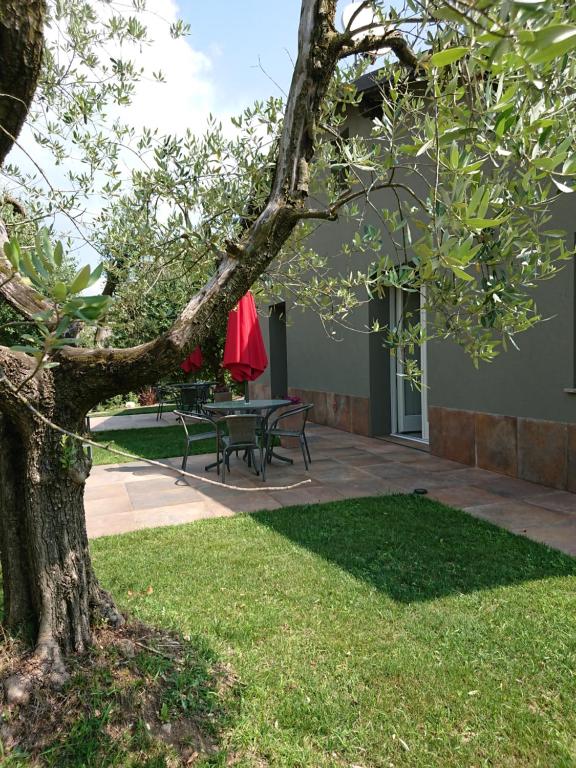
column 21, row 43
column 48, row 580
column 18, row 609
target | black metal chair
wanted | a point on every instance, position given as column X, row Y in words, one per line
column 165, row 395
column 193, row 419
column 190, row 397
column 275, row 429
column 242, row 436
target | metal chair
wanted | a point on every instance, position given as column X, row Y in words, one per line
column 242, row 437
column 165, row 395
column 190, row 398
column 275, row 429
column 192, row 419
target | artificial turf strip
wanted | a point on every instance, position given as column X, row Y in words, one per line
column 369, row 632
column 149, row 443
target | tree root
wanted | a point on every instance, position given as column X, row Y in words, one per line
column 44, row 667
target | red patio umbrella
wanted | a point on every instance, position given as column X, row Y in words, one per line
column 193, row 362
column 244, row 351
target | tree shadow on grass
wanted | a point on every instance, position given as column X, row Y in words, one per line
column 415, row 549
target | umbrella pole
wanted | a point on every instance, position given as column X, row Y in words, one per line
column 246, row 392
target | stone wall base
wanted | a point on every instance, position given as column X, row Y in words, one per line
column 346, row 412
column 531, row 449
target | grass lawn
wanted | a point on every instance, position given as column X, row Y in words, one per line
column 369, row 633
column 150, row 443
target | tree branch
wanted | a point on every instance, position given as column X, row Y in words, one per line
column 15, row 371
column 13, row 289
column 392, row 38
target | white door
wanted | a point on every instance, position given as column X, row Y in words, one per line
column 409, row 407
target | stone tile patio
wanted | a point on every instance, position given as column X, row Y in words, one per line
column 126, row 497
column 137, row 421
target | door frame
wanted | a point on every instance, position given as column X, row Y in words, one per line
column 396, row 391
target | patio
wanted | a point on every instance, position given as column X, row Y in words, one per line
column 127, row 497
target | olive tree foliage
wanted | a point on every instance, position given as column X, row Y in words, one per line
column 447, row 194
column 472, row 141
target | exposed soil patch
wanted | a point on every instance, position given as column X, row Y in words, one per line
column 141, row 697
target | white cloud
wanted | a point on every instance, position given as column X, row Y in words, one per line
column 187, row 96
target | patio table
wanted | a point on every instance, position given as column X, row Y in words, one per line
column 263, row 407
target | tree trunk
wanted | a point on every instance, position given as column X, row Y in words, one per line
column 21, row 42
column 49, row 584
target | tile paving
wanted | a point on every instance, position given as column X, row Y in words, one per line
column 137, row 421
column 127, row 497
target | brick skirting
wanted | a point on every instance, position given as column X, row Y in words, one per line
column 346, row 412
column 531, row 449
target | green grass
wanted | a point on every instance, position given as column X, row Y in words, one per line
column 372, row 632
column 149, row 443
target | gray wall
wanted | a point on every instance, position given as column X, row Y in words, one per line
column 529, row 382
column 319, row 361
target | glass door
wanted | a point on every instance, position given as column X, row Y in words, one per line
column 409, row 406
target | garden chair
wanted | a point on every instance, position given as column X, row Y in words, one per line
column 242, row 436
column 193, row 419
column 191, row 399
column 165, row 395
column 277, row 429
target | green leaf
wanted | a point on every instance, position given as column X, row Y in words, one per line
column 25, row 348
column 425, row 147
column 444, row 58
column 63, row 326
column 46, row 253
column 81, row 280
column 96, row 275
column 485, row 223
column 39, row 264
column 60, row 291
column 58, row 253
column 29, row 269
column 460, row 273
column 551, row 42
column 12, row 252
column 562, row 187
column 448, row 14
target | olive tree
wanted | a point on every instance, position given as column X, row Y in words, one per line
column 487, row 92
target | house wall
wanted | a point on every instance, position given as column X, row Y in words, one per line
column 345, row 373
column 529, row 381
column 516, row 415
column 328, row 365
